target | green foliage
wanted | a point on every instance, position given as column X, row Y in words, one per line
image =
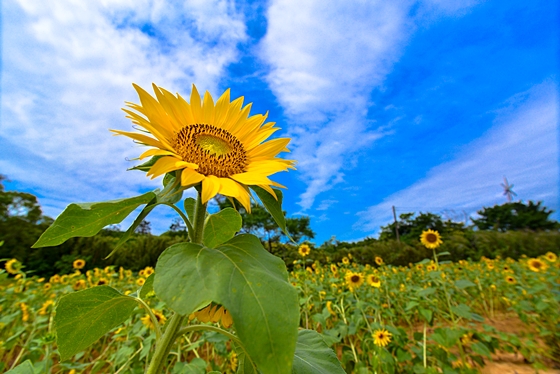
column 87, row 219
column 411, row 227
column 85, row 316
column 516, row 216
column 248, row 281
column 25, row 367
column 313, row 355
column 221, row 227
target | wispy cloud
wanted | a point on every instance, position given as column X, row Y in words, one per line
column 522, row 145
column 324, row 62
column 68, row 68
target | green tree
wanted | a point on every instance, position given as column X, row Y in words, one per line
column 516, row 216
column 410, row 227
column 21, row 222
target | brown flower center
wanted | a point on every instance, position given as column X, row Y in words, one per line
column 431, row 238
column 216, row 151
column 355, row 278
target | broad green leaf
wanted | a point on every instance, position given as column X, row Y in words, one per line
column 221, row 227
column 427, row 314
column 313, row 356
column 190, row 203
column 83, row 317
column 462, row 310
column 26, row 367
column 463, row 283
column 273, row 206
column 147, row 287
column 481, row 349
column 248, row 281
column 87, row 219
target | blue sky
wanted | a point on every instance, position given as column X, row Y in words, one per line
column 421, row 105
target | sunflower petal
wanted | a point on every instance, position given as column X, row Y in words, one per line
column 190, row 177
column 208, row 108
column 141, row 138
column 156, row 152
column 167, row 164
column 210, row 187
column 250, row 178
column 196, row 107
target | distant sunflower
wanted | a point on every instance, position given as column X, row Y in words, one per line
column 148, row 271
column 12, row 266
column 430, row 239
column 551, row 257
column 381, row 338
column 378, row 260
column 147, row 320
column 79, row 284
column 217, row 145
column 334, row 269
column 140, row 281
column 345, row 260
column 431, row 267
column 304, row 250
column 537, row 265
column 373, row 280
column 102, row 282
column 330, row 309
column 354, row 280
column 511, row 280
column 79, row 264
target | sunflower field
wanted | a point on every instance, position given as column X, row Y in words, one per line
column 429, row 317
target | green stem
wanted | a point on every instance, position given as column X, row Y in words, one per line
column 232, row 337
column 164, row 344
column 152, row 316
column 190, row 228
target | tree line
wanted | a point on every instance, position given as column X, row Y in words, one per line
column 509, row 230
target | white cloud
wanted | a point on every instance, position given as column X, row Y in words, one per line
column 324, row 60
column 522, row 145
column 67, row 68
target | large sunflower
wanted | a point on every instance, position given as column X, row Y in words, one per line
column 216, row 144
column 431, row 239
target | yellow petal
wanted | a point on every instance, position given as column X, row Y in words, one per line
column 227, row 321
column 156, row 152
column 218, row 315
column 190, row 177
column 141, row 138
column 196, row 107
column 267, row 167
column 251, row 178
column 221, row 110
column 270, row 148
column 231, row 188
column 208, row 108
column 210, row 187
column 167, row 164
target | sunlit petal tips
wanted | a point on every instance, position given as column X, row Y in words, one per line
column 216, row 143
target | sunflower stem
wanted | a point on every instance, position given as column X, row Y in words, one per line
column 164, row 344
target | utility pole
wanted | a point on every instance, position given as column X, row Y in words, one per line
column 396, row 224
